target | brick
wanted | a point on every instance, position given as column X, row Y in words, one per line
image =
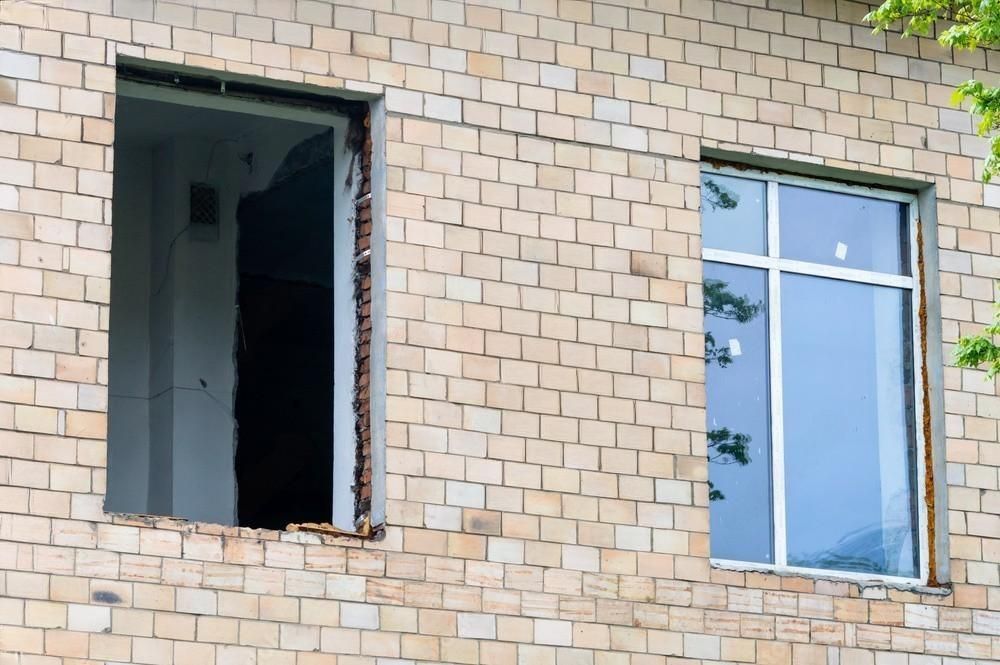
column 19, row 65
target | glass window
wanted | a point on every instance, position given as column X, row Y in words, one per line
column 733, row 213
column 739, row 429
column 845, row 352
column 843, row 230
column 811, row 395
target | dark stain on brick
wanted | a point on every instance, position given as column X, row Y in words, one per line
column 106, row 597
column 482, row 522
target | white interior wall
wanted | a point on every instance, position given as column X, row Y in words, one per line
column 174, row 319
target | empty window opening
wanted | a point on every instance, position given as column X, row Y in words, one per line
column 232, row 372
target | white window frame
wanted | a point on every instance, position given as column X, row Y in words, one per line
column 775, row 266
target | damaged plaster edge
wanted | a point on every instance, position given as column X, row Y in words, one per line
column 377, row 357
column 359, row 143
column 791, row 166
column 863, row 583
column 937, row 492
column 345, row 332
column 364, row 529
column 874, row 583
column 148, row 519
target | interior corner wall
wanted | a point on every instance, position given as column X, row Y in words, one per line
column 159, row 293
column 128, row 399
column 172, row 333
column 203, row 279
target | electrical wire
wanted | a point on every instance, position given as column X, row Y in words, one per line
column 166, row 264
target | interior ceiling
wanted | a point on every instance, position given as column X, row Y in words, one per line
column 141, row 122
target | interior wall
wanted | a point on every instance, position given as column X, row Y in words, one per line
column 159, row 293
column 172, row 430
column 203, row 285
column 285, row 454
column 128, row 399
column 288, row 258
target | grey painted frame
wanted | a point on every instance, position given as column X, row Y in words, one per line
column 377, row 356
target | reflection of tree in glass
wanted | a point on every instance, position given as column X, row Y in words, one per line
column 717, row 196
column 724, row 304
column 725, row 446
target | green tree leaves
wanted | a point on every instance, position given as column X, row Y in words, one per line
column 981, row 349
column 724, row 445
column 963, row 24
column 967, row 24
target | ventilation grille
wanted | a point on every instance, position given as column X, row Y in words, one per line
column 204, row 204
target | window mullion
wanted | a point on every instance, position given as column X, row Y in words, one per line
column 773, row 237
column 774, row 344
column 777, row 417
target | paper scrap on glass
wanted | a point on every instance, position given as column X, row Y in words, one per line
column 841, row 252
column 734, row 347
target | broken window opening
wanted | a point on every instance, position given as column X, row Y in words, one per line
column 239, row 339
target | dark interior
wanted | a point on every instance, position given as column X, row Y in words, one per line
column 284, row 354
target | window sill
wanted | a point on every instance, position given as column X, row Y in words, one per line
column 861, row 580
column 325, row 532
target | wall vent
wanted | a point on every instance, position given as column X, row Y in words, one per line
column 204, row 204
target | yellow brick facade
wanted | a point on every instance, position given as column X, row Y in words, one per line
column 547, row 498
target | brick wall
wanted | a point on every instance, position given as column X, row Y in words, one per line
column 363, row 327
column 547, row 495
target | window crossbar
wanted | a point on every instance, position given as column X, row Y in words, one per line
column 806, row 268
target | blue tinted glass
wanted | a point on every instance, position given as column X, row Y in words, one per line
column 843, row 230
column 733, row 212
column 849, row 426
column 739, row 441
